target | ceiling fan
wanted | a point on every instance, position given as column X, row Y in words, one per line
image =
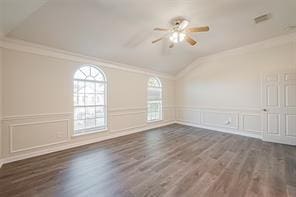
column 179, row 32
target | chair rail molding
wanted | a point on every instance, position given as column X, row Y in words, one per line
column 34, row 116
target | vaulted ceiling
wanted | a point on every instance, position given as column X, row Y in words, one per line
column 122, row 30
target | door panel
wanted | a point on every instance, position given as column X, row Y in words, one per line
column 273, row 123
column 272, row 95
column 279, row 107
column 291, row 125
column 290, row 95
column 290, row 76
column 271, row 77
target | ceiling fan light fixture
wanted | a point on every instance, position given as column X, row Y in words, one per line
column 183, row 24
column 176, row 37
column 179, row 32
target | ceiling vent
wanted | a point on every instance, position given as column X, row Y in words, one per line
column 262, row 18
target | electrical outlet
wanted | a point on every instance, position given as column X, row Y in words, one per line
column 227, row 122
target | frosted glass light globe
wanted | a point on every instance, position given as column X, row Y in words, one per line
column 177, row 37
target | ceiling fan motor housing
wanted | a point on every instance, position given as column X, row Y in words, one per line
column 177, row 20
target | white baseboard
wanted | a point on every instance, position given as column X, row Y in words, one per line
column 258, row 136
column 281, row 140
column 13, row 158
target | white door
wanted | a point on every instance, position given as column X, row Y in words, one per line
column 279, row 107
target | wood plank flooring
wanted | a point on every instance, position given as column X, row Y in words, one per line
column 169, row 161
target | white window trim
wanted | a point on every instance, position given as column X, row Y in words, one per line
column 94, row 129
column 161, row 100
column 156, row 120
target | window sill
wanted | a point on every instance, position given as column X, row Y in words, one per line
column 90, row 131
column 154, row 121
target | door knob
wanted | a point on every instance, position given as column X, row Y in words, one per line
column 264, row 110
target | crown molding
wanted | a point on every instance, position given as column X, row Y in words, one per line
column 275, row 41
column 28, row 47
column 37, row 49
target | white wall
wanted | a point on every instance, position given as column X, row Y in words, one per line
column 1, row 77
column 37, row 103
column 223, row 91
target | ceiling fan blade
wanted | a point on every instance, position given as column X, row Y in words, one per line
column 160, row 29
column 162, row 37
column 190, row 40
column 183, row 24
column 198, row 29
column 171, row 45
column 159, row 39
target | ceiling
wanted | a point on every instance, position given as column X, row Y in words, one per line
column 14, row 12
column 121, row 30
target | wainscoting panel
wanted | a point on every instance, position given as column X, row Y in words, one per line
column 189, row 115
column 239, row 121
column 127, row 119
column 251, row 122
column 121, row 121
column 33, row 135
column 169, row 114
column 220, row 119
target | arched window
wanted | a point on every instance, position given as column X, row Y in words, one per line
column 154, row 104
column 89, row 100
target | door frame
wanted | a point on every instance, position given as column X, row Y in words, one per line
column 277, row 138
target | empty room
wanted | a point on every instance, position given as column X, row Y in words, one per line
column 141, row 98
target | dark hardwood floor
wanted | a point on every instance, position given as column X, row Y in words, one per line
column 169, row 161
